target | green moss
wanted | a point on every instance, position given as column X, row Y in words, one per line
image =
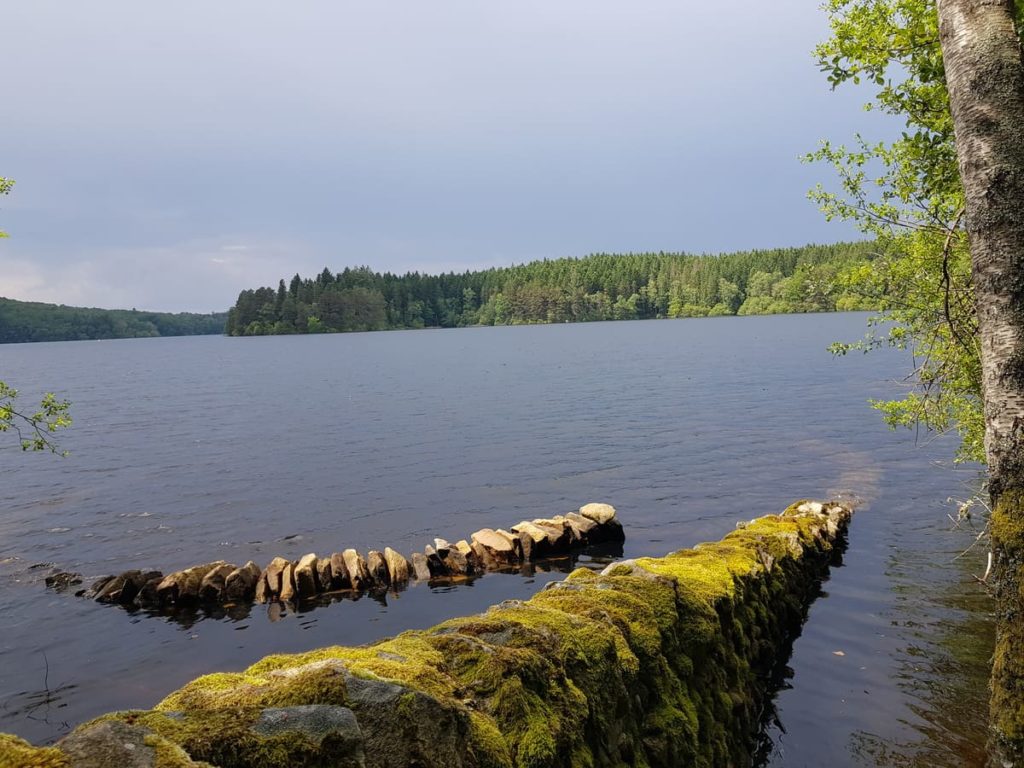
column 168, row 755
column 1007, row 702
column 16, row 753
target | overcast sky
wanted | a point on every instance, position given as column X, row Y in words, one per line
column 168, row 155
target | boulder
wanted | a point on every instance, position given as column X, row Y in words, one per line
column 263, row 593
column 273, row 575
column 183, row 586
column 96, row 586
column 398, row 567
column 357, row 570
column 378, row 568
column 599, row 513
column 60, row 582
column 420, row 567
column 340, row 577
column 324, row 573
column 495, row 548
column 473, row 563
column 526, row 546
column 148, row 597
column 211, row 589
column 533, row 540
column 582, row 526
column 288, row 591
column 307, row 582
column 240, row 584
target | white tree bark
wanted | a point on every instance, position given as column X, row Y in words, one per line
column 985, row 79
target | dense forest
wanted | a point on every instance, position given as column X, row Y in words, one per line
column 812, row 278
column 33, row 321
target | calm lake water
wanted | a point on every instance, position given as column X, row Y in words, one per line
column 186, row 450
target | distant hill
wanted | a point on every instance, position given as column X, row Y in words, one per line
column 630, row 286
column 33, row 321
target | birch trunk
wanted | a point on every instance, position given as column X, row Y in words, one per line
column 985, row 78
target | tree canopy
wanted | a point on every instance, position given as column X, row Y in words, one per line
column 813, row 278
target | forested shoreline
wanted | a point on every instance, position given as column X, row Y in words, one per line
column 23, row 321
column 811, row 278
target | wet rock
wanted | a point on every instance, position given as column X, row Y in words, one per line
column 273, row 574
column 288, row 591
column 263, row 593
column 148, row 597
column 473, row 563
column 240, row 584
column 398, row 567
column 307, row 583
column 211, row 589
column 599, row 513
column 495, row 548
column 420, row 567
column 114, row 744
column 357, row 570
column 435, row 564
column 324, row 573
column 61, row 582
column 340, row 577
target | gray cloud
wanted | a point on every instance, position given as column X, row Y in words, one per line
column 147, row 139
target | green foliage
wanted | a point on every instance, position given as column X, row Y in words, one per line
column 34, row 429
column 32, row 321
column 5, row 187
column 598, row 287
column 907, row 194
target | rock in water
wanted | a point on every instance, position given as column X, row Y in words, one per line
column 240, row 584
column 340, row 577
column 324, row 574
column 306, row 579
column 599, row 513
column 398, row 567
column 378, row 568
column 420, row 567
column 288, row 591
column 357, row 570
column 497, row 548
column 211, row 589
column 273, row 575
column 60, row 582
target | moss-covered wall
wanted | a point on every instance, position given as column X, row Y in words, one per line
column 655, row 662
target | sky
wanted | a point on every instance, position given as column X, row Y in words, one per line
column 169, row 155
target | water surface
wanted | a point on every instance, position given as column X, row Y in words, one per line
column 186, row 450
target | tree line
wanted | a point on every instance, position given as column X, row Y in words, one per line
column 812, row 278
column 32, row 321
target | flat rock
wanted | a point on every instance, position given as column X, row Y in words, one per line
column 599, row 513
column 497, row 547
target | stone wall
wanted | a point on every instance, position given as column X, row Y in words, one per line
column 291, row 581
column 654, row 662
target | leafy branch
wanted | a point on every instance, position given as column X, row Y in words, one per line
column 35, row 430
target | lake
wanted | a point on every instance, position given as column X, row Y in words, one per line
column 186, row 450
